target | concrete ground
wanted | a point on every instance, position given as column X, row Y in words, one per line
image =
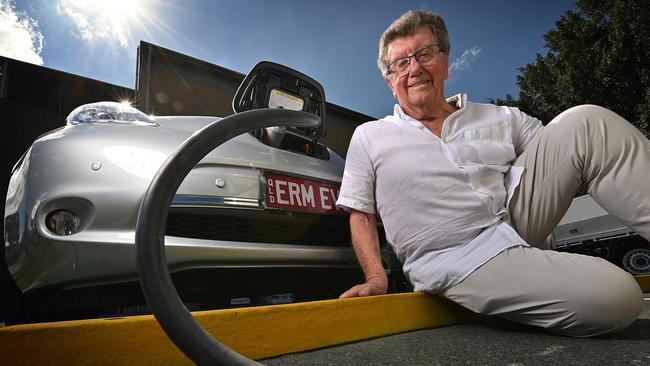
column 487, row 342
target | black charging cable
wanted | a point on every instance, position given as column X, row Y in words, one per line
column 155, row 280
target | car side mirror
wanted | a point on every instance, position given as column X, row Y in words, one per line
column 271, row 85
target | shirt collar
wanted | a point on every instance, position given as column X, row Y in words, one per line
column 458, row 101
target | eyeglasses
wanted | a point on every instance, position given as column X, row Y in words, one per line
column 423, row 56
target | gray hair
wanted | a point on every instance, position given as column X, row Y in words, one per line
column 406, row 25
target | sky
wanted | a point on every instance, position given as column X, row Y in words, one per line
column 334, row 42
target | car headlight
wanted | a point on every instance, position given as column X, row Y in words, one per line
column 109, row 112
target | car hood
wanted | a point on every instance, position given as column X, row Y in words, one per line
column 141, row 150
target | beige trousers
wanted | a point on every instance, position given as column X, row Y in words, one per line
column 566, row 293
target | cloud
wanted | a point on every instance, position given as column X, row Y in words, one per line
column 20, row 37
column 95, row 20
column 465, row 59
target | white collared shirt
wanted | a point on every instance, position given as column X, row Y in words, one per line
column 441, row 200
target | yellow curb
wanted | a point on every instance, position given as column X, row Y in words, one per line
column 644, row 282
column 256, row 332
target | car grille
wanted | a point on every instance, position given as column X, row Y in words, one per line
column 258, row 226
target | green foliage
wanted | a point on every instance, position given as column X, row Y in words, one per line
column 598, row 54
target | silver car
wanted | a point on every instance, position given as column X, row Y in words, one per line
column 257, row 214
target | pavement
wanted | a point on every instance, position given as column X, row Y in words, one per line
column 487, row 342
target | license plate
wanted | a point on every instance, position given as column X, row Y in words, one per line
column 297, row 194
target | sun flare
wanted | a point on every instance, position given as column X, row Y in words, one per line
column 116, row 9
column 106, row 19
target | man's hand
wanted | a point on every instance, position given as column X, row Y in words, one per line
column 374, row 286
column 363, row 227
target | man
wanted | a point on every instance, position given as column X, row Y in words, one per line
column 467, row 192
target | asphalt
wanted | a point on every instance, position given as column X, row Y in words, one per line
column 487, row 342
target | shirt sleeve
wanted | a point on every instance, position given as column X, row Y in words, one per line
column 358, row 186
column 524, row 129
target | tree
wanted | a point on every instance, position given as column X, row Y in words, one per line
column 598, row 54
